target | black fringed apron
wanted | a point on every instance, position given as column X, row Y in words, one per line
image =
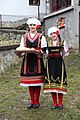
column 32, row 70
column 56, row 78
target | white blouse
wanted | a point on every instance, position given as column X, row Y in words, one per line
column 65, row 52
column 43, row 41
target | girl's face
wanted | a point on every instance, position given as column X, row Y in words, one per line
column 53, row 35
column 32, row 27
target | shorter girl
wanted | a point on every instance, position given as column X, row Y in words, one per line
column 56, row 79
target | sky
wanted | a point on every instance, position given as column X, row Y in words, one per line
column 19, row 8
column 16, row 7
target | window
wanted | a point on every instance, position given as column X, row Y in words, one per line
column 56, row 5
column 34, row 2
column 79, row 2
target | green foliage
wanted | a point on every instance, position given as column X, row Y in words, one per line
column 4, row 42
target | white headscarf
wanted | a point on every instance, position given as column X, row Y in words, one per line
column 53, row 29
column 33, row 21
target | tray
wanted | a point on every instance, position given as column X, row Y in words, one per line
column 28, row 51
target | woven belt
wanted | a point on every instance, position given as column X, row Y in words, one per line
column 54, row 55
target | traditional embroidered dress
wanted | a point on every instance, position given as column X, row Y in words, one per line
column 56, row 78
column 32, row 70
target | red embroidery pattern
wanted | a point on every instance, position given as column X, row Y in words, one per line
column 35, row 70
column 34, row 38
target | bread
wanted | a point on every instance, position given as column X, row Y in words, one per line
column 24, row 49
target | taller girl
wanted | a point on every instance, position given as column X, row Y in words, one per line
column 32, row 70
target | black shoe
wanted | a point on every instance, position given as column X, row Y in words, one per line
column 60, row 107
column 36, row 106
column 30, row 106
column 54, row 107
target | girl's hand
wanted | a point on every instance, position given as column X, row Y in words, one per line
column 19, row 54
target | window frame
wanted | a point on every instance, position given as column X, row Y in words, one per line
column 31, row 3
column 56, row 8
column 49, row 14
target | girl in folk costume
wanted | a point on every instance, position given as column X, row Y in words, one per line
column 56, row 79
column 32, row 70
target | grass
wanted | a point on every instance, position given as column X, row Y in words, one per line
column 14, row 98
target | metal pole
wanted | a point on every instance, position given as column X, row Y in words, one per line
column 38, row 11
column 1, row 21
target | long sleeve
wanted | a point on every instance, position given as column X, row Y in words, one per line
column 43, row 42
column 66, row 50
column 22, row 42
column 44, row 47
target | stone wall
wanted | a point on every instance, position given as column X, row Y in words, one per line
column 7, row 57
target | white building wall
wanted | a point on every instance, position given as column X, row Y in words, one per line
column 71, row 31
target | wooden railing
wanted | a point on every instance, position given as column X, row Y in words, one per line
column 13, row 31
